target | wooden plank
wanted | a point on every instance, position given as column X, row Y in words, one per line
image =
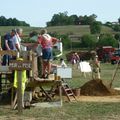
column 43, row 82
column 20, row 65
column 8, row 52
column 13, row 52
column 4, row 69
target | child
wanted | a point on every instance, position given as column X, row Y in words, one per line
column 62, row 63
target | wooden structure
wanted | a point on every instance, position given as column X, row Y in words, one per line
column 29, row 63
column 49, row 93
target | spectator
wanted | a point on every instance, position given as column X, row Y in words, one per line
column 77, row 59
column 95, row 64
column 73, row 59
column 17, row 39
column 8, row 45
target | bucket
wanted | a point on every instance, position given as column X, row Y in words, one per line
column 57, row 77
column 76, row 91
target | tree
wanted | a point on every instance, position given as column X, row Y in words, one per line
column 2, row 21
column 73, row 20
column 119, row 20
column 87, row 20
column 63, row 19
column 107, row 40
column 109, row 24
column 117, row 36
column 12, row 22
column 95, row 27
column 88, row 41
column 9, row 22
column 116, row 27
column 58, row 19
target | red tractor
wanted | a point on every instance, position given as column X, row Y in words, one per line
column 104, row 53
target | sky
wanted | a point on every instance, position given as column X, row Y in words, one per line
column 38, row 12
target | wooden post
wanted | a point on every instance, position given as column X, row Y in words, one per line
column 60, row 92
column 33, row 59
column 0, row 64
column 30, row 58
column 19, row 65
column 19, row 92
column 0, row 49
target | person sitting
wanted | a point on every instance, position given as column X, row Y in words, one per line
column 62, row 63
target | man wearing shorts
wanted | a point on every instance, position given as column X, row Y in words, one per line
column 47, row 43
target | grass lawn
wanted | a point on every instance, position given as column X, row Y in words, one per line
column 73, row 110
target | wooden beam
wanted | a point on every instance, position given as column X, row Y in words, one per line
column 13, row 52
column 8, row 52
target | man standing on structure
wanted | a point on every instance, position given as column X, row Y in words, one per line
column 46, row 42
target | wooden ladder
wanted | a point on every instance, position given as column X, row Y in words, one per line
column 68, row 92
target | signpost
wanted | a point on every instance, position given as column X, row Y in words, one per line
column 20, row 65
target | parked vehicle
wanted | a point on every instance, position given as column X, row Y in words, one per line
column 104, row 53
column 115, row 57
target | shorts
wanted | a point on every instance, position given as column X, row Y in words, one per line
column 47, row 54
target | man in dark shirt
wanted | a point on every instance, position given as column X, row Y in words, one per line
column 8, row 45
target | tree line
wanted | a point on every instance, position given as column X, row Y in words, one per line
column 62, row 19
column 11, row 22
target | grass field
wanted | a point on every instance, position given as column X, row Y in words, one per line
column 74, row 110
column 71, row 29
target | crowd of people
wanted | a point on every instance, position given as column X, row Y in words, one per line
column 12, row 41
column 94, row 63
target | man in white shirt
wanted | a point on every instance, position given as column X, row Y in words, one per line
column 16, row 39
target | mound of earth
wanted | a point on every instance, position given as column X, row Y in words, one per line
column 96, row 88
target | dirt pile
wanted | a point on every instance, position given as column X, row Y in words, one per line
column 96, row 88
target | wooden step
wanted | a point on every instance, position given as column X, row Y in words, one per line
column 67, row 89
column 69, row 93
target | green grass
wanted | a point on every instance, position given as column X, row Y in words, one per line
column 70, row 29
column 70, row 111
column 107, row 71
column 26, row 30
column 75, row 110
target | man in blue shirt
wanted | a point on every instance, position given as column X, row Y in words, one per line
column 8, row 45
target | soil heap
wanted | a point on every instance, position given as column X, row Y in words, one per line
column 96, row 88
